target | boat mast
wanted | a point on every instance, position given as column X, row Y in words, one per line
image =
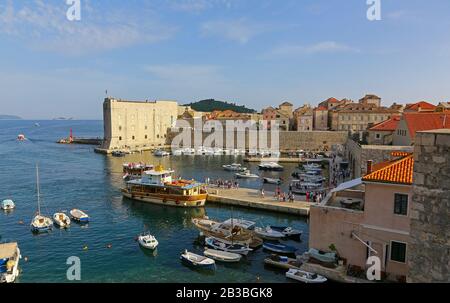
column 38, row 192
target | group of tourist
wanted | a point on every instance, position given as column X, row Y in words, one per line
column 220, row 183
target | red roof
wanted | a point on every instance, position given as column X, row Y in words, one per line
column 420, row 105
column 388, row 125
column 426, row 121
column 399, row 171
column 332, row 100
column 321, row 108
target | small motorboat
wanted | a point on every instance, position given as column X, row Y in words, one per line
column 304, row 276
column 21, row 137
column 282, row 262
column 268, row 233
column 62, row 220
column 79, row 216
column 271, row 166
column 222, row 256
column 233, row 248
column 9, row 262
column 272, row 181
column 146, row 240
column 197, row 261
column 326, row 257
column 287, row 231
column 280, row 248
column 8, row 204
column 118, row 153
column 234, row 167
column 161, row 153
column 246, row 175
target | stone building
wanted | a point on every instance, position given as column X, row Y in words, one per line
column 371, row 99
column 382, row 133
column 282, row 117
column 429, row 250
column 419, row 107
column 303, row 118
column 136, row 125
column 320, row 118
column 287, row 108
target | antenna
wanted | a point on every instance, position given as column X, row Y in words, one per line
column 38, row 191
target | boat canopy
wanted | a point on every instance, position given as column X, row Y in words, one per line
column 8, row 250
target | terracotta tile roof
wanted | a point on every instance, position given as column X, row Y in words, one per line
column 332, row 100
column 426, row 121
column 397, row 171
column 420, row 105
column 388, row 125
column 321, row 108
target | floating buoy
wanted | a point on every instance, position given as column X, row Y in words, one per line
column 21, row 222
column 109, row 246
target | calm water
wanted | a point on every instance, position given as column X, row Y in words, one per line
column 75, row 177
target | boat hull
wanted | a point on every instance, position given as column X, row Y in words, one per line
column 183, row 201
column 279, row 249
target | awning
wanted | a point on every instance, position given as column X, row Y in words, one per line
column 347, row 185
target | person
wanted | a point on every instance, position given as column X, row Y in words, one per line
column 262, row 192
column 307, row 196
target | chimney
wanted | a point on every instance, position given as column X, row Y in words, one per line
column 369, row 166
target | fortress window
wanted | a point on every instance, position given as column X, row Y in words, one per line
column 132, row 137
column 120, row 138
column 120, row 127
column 145, row 136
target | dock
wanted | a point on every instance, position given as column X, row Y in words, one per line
column 251, row 198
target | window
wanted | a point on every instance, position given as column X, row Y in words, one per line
column 145, row 136
column 132, row 137
column 378, row 136
column 120, row 127
column 401, row 204
column 398, row 252
column 120, row 138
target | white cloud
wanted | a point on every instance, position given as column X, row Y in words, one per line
column 240, row 30
column 321, row 47
column 195, row 6
column 44, row 26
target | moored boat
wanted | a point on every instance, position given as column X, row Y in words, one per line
column 157, row 186
column 272, row 181
column 233, row 248
column 9, row 262
column 271, row 166
column 234, row 167
column 40, row 223
column 161, row 153
column 246, row 175
column 117, row 153
column 222, row 256
column 197, row 261
column 148, row 241
column 279, row 248
column 304, row 276
column 287, row 231
column 62, row 220
column 268, row 233
column 282, row 262
column 8, row 204
column 79, row 216
column 225, row 231
column 326, row 257
column 135, row 170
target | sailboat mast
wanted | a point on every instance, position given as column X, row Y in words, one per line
column 38, row 191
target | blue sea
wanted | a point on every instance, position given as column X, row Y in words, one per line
column 74, row 176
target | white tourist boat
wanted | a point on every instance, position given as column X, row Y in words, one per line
column 222, row 256
column 242, row 249
column 62, row 220
column 271, row 166
column 9, row 262
column 157, row 186
column 161, row 153
column 148, row 241
column 8, row 204
column 304, row 276
column 40, row 223
column 268, row 233
column 234, row 167
column 287, row 231
column 246, row 175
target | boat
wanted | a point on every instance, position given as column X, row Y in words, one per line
column 157, row 186
column 246, row 175
column 79, row 216
column 9, row 262
column 222, row 256
column 322, row 256
column 282, row 262
column 146, row 240
column 272, row 166
column 287, row 231
column 279, row 248
column 304, row 276
column 117, row 153
column 40, row 223
column 61, row 219
column 21, row 137
column 245, row 224
column 161, row 153
column 234, row 167
column 268, row 234
column 8, row 204
column 197, row 261
column 224, row 231
column 272, row 181
column 224, row 246
column 312, row 166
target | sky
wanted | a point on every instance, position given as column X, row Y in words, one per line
column 253, row 52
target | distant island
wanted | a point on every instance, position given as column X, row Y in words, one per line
column 63, row 118
column 210, row 105
column 10, row 117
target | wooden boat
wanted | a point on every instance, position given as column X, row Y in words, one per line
column 62, row 220
column 287, row 231
column 223, row 231
column 268, row 234
column 272, row 181
column 9, row 262
column 222, row 256
column 304, row 276
column 40, row 223
column 197, row 261
column 8, row 204
column 79, row 216
column 279, row 248
column 233, row 248
column 326, row 257
column 148, row 241
column 157, row 186
column 282, row 262
column 246, row 175
column 245, row 224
